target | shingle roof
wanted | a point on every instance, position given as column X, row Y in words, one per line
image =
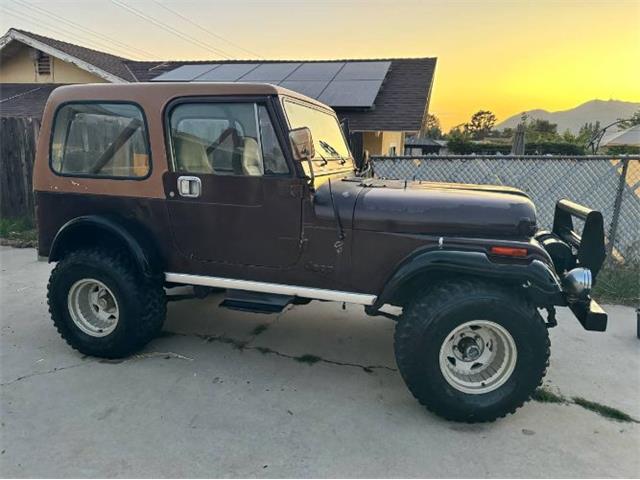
column 400, row 105
column 105, row 61
column 24, row 99
column 403, row 100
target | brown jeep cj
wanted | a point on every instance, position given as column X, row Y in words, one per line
column 252, row 189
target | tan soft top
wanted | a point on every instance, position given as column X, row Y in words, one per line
column 164, row 91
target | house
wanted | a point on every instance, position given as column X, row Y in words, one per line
column 417, row 145
column 380, row 101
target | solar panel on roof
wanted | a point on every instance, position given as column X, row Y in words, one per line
column 270, row 72
column 338, row 84
column 363, row 71
column 185, row 73
column 351, row 93
column 316, row 71
column 227, row 72
column 309, row 88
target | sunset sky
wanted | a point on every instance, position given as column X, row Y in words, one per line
column 504, row 56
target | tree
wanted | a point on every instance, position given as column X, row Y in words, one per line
column 458, row 143
column 431, row 127
column 629, row 122
column 541, row 130
column 481, row 124
column 569, row 137
column 587, row 132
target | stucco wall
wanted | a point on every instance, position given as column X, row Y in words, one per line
column 21, row 68
column 380, row 143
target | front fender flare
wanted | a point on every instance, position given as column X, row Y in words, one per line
column 542, row 283
column 137, row 241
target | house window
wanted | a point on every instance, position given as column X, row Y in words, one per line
column 43, row 64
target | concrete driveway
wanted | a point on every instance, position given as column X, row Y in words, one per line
column 313, row 392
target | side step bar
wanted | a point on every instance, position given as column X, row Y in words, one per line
column 276, row 288
column 256, row 302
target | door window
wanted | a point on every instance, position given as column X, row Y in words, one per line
column 224, row 139
column 274, row 161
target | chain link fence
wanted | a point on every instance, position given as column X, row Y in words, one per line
column 608, row 184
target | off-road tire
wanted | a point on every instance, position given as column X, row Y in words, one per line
column 142, row 302
column 427, row 321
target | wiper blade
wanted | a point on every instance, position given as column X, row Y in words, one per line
column 333, row 151
column 323, row 159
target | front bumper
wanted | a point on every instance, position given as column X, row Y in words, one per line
column 590, row 314
column 588, row 251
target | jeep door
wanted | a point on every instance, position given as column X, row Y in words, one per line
column 232, row 195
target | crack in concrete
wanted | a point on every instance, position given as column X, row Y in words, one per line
column 306, row 358
column 53, row 370
column 543, row 394
column 116, row 361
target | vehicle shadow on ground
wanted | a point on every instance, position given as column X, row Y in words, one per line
column 314, row 333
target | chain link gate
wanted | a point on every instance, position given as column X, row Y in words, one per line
column 605, row 183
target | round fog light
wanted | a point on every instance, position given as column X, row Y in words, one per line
column 577, row 282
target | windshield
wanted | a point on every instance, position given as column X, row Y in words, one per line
column 328, row 139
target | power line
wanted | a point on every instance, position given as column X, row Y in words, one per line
column 186, row 19
column 55, row 28
column 170, row 29
column 85, row 29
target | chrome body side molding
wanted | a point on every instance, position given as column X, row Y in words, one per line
column 264, row 287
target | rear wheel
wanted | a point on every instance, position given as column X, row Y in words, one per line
column 470, row 351
column 102, row 306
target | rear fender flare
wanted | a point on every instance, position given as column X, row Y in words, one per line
column 132, row 236
column 537, row 277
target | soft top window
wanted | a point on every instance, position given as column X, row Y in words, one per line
column 100, row 140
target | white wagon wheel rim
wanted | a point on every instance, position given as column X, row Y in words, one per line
column 93, row 307
column 478, row 357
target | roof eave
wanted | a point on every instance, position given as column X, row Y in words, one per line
column 12, row 35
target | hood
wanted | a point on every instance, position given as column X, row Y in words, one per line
column 429, row 208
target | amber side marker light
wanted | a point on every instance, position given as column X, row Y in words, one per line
column 509, row 251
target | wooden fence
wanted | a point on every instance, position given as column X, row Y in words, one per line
column 18, row 137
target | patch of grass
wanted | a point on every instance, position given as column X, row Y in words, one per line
column 308, row 358
column 260, row 329
column 604, row 410
column 618, row 283
column 18, row 232
column 544, row 395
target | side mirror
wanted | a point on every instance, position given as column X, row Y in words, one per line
column 302, row 144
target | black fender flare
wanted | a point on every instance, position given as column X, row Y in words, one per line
column 132, row 235
column 536, row 276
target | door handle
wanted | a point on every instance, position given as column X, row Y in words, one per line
column 190, row 187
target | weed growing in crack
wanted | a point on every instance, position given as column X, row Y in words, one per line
column 260, row 329
column 308, row 358
column 604, row 410
column 544, row 395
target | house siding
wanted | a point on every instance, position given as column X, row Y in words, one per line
column 21, row 68
column 380, row 143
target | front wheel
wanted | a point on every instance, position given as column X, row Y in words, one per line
column 470, row 351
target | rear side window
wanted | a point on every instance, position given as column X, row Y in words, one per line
column 100, row 140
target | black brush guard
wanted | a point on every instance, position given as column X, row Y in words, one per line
column 590, row 254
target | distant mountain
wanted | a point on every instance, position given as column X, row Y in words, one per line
column 606, row 111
